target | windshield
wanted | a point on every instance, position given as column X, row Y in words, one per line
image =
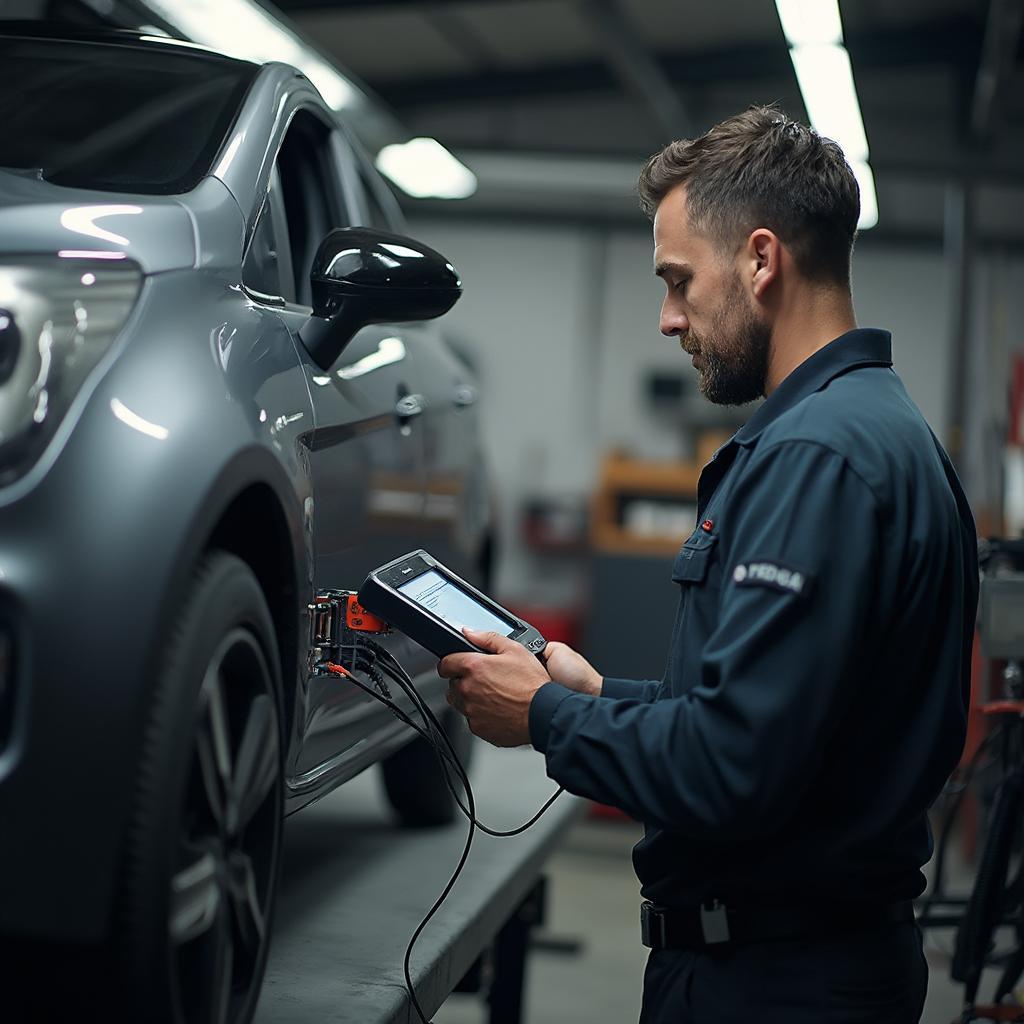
column 115, row 117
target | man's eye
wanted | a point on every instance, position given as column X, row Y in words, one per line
column 682, row 285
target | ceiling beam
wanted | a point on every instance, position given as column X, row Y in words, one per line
column 556, row 168
column 639, row 73
column 998, row 50
column 463, row 36
column 952, row 42
column 622, row 217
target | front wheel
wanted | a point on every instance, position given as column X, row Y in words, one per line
column 203, row 849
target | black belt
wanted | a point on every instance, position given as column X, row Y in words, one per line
column 713, row 923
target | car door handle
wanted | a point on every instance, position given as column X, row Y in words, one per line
column 464, row 396
column 409, row 406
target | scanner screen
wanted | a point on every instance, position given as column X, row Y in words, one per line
column 438, row 595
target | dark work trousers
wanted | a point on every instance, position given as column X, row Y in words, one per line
column 877, row 976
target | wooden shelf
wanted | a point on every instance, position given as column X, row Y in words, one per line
column 624, row 479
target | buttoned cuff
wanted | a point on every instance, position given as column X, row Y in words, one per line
column 542, row 708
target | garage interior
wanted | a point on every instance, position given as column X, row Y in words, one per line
column 593, row 429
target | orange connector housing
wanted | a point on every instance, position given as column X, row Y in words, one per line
column 357, row 618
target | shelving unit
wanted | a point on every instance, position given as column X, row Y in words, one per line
column 641, row 513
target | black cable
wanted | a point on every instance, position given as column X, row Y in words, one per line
column 402, row 678
column 397, row 711
column 387, row 657
column 429, row 720
column 382, row 661
column 497, row 833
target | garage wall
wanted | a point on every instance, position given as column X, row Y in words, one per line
column 561, row 323
column 906, row 291
column 997, row 333
column 526, row 325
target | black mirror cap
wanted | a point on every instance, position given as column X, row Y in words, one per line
column 365, row 276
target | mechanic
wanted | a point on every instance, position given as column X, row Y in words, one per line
column 814, row 700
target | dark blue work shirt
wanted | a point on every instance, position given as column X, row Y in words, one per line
column 815, row 696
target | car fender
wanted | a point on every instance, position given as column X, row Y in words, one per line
column 103, row 548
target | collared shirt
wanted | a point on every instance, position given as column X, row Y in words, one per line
column 814, row 701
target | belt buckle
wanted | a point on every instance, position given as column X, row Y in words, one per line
column 652, row 926
column 714, row 923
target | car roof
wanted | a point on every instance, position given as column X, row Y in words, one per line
column 64, row 32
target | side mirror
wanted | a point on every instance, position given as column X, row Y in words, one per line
column 364, row 276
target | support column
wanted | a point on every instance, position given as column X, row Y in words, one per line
column 958, row 247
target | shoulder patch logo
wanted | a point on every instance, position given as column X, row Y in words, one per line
column 771, row 575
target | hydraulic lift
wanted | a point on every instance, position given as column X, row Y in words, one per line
column 356, row 885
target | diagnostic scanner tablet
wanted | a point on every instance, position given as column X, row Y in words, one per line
column 427, row 602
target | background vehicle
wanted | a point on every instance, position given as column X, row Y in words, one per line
column 178, row 478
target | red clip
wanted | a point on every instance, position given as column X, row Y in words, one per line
column 707, row 526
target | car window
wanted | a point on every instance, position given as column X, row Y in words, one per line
column 116, row 117
column 267, row 267
column 314, row 203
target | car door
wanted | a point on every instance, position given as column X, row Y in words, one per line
column 365, row 454
column 456, row 510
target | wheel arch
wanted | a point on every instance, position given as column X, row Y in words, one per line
column 254, row 527
column 253, row 509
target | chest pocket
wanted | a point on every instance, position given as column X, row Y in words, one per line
column 691, row 564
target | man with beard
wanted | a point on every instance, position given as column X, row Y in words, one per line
column 814, row 699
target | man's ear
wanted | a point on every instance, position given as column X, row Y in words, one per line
column 763, row 256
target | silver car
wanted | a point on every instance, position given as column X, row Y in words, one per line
column 217, row 399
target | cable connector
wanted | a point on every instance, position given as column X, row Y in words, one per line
column 359, row 620
column 334, row 614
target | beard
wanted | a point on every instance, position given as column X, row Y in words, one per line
column 734, row 352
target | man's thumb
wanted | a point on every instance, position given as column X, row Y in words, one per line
column 488, row 640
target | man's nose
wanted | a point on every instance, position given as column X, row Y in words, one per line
column 672, row 321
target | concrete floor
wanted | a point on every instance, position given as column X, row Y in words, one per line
column 593, row 897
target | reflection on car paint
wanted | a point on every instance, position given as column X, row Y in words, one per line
column 136, row 422
column 222, row 344
column 90, row 254
column 389, row 350
column 282, row 421
column 82, row 220
column 229, row 154
column 395, row 497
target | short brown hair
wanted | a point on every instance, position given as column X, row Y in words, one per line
column 763, row 169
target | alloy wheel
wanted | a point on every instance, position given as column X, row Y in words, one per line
column 222, row 884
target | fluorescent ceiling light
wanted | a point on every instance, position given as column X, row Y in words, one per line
column 826, row 83
column 423, row 168
column 868, row 199
column 240, row 28
column 807, row 22
column 814, row 31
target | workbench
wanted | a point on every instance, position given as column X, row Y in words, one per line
column 355, row 885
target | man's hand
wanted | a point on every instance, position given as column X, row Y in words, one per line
column 571, row 669
column 494, row 690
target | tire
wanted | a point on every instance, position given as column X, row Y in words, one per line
column 203, row 848
column 413, row 778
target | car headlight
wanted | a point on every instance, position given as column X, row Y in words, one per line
column 56, row 322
